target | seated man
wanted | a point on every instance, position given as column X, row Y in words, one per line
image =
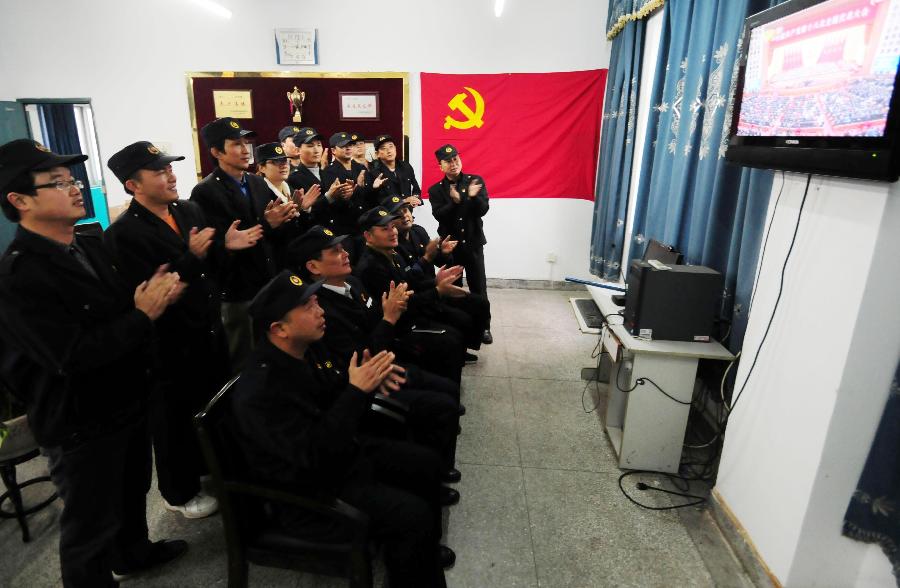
column 297, row 429
column 470, row 313
column 355, row 324
column 441, row 347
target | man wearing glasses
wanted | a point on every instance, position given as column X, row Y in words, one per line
column 75, row 346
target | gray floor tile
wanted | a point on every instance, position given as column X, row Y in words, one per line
column 540, row 503
column 491, row 358
column 547, row 355
column 537, row 309
column 547, row 408
column 498, row 553
column 489, row 430
column 586, row 534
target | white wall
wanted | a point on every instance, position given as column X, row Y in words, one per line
column 796, row 443
column 130, row 59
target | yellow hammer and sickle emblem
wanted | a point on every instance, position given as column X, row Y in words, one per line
column 473, row 118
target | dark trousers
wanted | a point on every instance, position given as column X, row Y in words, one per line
column 470, row 314
column 437, row 347
column 239, row 331
column 103, row 483
column 186, row 385
column 472, row 259
column 399, row 490
column 432, row 420
column 403, row 504
column 416, row 377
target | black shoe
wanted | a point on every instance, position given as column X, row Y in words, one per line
column 471, row 357
column 461, row 410
column 486, row 337
column 446, row 557
column 449, row 496
column 451, row 476
column 160, row 552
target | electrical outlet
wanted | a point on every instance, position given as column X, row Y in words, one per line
column 551, row 258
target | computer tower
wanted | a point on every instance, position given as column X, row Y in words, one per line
column 677, row 303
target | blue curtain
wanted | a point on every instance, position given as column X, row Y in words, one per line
column 873, row 515
column 689, row 196
column 617, row 140
column 59, row 129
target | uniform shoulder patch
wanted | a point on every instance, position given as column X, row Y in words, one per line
column 9, row 260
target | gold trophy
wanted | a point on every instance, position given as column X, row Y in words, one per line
column 296, row 98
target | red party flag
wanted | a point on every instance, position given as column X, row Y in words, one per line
column 531, row 135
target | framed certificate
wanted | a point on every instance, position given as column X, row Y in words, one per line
column 359, row 106
column 233, row 103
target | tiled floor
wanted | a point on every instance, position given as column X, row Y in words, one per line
column 541, row 506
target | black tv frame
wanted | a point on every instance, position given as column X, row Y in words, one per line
column 871, row 158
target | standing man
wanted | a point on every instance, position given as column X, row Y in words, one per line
column 192, row 358
column 399, row 175
column 346, row 209
column 309, row 143
column 359, row 151
column 232, row 197
column 75, row 346
column 286, row 136
column 458, row 202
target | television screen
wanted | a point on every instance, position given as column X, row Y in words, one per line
column 817, row 89
column 825, row 71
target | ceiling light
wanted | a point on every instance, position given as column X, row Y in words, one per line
column 498, row 7
column 213, row 7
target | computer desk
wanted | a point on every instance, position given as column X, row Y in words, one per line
column 645, row 427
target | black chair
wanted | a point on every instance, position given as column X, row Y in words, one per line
column 250, row 536
column 19, row 448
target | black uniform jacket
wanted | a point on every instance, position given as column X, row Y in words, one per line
column 297, row 420
column 463, row 220
column 341, row 215
column 322, row 212
column 140, row 242
column 72, row 347
column 412, row 248
column 400, row 182
column 353, row 323
column 243, row 272
column 376, row 271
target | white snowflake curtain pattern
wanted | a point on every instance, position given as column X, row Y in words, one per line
column 689, row 196
column 625, row 27
column 873, row 515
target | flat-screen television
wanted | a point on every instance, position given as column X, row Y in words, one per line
column 817, row 89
